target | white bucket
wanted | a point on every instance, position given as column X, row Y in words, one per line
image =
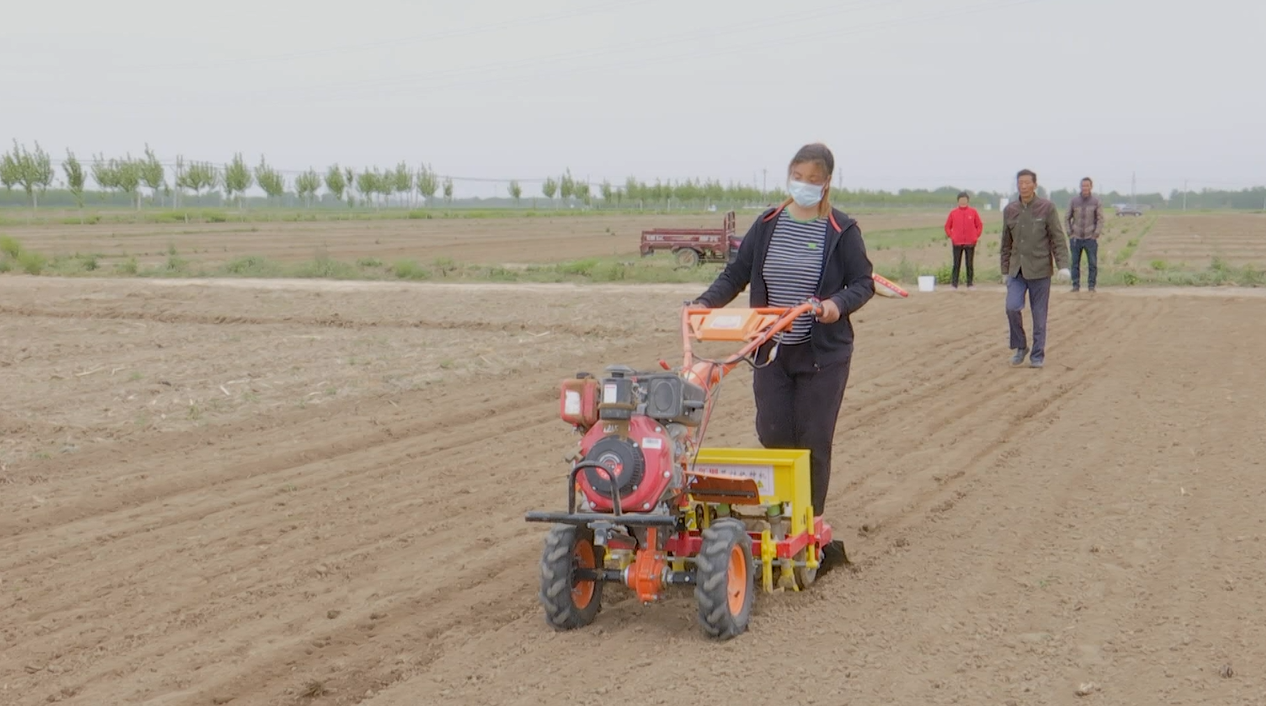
column 927, row 283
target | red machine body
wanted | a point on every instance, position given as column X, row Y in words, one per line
column 641, row 490
column 578, row 402
column 639, row 515
column 636, row 455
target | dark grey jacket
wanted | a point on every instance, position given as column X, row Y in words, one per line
column 1032, row 239
column 846, row 279
column 1085, row 217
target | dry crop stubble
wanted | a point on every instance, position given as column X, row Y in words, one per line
column 490, row 241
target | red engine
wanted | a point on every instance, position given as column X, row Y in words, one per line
column 635, row 430
column 578, row 403
column 639, row 467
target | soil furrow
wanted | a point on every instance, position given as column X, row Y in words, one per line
column 1025, row 532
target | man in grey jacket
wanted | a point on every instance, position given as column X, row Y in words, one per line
column 1085, row 223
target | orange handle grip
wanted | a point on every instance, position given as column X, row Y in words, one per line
column 765, row 310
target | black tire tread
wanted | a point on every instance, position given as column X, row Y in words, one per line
column 561, row 612
column 712, row 566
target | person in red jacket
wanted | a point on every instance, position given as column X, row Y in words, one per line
column 963, row 227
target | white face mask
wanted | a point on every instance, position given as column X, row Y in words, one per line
column 805, row 195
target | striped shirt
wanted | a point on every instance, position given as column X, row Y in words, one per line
column 793, row 267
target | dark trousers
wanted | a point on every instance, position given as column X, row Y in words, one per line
column 797, row 405
column 1090, row 246
column 1039, row 291
column 970, row 252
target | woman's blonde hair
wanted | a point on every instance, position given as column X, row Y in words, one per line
column 816, row 153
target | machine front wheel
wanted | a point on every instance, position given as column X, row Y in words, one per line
column 569, row 602
column 725, row 585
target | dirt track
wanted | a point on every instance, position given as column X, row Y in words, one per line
column 225, row 494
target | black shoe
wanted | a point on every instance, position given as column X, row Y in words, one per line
column 833, row 555
column 1018, row 358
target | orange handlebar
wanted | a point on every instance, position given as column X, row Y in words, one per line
column 757, row 337
column 813, row 304
column 753, row 334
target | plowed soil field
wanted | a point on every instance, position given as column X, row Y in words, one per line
column 1183, row 241
column 226, row 492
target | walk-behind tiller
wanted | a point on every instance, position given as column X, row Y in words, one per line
column 655, row 509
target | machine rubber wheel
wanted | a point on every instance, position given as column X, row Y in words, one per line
column 725, row 585
column 687, row 257
column 568, row 603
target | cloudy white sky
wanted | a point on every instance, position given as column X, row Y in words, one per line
column 908, row 93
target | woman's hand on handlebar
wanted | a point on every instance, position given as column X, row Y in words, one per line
column 827, row 312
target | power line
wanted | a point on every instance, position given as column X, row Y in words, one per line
column 944, row 181
column 171, row 164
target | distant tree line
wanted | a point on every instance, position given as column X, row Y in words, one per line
column 126, row 179
column 29, row 176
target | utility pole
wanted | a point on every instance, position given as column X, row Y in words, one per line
column 1184, row 194
column 1133, row 199
column 764, row 184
